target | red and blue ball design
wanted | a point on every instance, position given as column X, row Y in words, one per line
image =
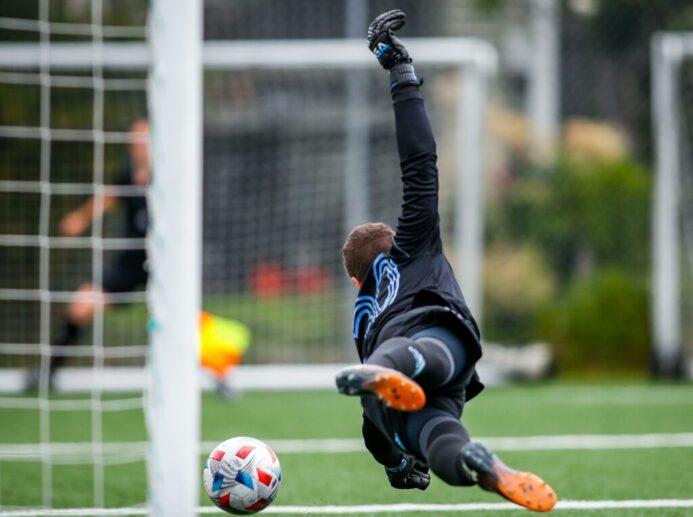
column 242, row 475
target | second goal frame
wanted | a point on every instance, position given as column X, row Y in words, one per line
column 668, row 53
column 476, row 61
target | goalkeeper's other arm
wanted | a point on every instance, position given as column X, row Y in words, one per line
column 401, row 471
column 408, row 474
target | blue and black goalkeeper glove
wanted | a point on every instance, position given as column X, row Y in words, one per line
column 390, row 51
column 409, row 474
column 383, row 43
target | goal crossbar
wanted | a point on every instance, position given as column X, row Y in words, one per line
column 241, row 54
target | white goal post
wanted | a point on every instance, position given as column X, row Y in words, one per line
column 174, row 251
column 668, row 52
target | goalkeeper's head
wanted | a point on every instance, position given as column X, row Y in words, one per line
column 364, row 244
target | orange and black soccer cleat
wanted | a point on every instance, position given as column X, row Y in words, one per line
column 395, row 389
column 523, row 488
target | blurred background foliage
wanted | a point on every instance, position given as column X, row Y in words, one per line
column 572, row 242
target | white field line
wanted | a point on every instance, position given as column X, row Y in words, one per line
column 374, row 508
column 475, row 507
column 619, row 396
column 514, row 443
column 81, row 452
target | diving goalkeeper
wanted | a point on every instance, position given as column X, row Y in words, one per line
column 414, row 333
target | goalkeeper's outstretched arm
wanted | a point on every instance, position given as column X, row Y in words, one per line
column 417, row 227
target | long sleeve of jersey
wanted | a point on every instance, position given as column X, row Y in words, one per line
column 418, row 224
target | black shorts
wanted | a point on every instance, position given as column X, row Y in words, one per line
column 403, row 429
column 127, row 273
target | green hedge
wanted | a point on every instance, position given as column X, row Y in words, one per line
column 601, row 322
column 587, row 226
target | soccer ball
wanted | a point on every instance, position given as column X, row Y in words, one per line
column 242, row 475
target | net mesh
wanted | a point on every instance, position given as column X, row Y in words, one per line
column 63, row 140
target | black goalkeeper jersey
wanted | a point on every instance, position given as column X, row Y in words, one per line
column 413, row 286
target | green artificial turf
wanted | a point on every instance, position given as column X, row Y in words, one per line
column 354, row 478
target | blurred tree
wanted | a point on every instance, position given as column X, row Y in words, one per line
column 583, row 216
column 569, row 262
column 606, row 60
column 488, row 7
column 619, row 25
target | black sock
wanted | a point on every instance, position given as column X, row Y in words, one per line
column 443, row 448
column 66, row 336
column 427, row 361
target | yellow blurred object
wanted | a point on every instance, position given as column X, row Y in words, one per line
column 223, row 342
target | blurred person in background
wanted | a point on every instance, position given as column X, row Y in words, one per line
column 417, row 339
column 128, row 270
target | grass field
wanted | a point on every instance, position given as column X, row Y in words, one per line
column 610, row 473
